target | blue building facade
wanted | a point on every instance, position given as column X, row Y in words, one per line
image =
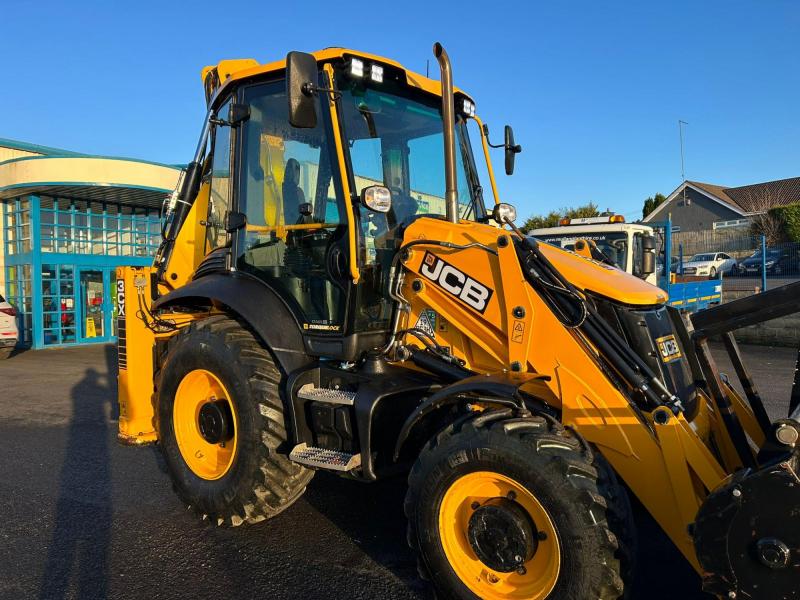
column 62, row 240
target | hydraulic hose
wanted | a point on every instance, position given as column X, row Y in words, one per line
column 182, row 202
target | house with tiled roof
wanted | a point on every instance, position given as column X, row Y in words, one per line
column 697, row 206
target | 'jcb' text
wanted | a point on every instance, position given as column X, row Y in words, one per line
column 462, row 286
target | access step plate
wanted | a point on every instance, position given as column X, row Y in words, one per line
column 329, row 395
column 323, row 458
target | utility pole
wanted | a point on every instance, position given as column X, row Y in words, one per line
column 683, row 172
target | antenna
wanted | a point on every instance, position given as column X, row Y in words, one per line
column 680, row 133
column 427, row 67
column 683, row 172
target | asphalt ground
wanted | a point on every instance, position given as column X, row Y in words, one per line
column 82, row 517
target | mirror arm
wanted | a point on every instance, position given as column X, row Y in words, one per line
column 309, row 89
column 488, row 141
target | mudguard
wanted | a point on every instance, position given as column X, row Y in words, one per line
column 503, row 388
column 255, row 303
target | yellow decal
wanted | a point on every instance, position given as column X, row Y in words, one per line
column 668, row 348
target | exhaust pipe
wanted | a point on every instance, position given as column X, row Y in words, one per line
column 449, row 128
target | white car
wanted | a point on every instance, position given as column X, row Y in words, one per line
column 9, row 334
column 709, row 264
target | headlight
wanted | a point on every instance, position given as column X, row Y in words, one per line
column 504, row 213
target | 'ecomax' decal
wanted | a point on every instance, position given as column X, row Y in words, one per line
column 472, row 293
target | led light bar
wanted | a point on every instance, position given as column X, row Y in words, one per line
column 376, row 73
column 468, row 108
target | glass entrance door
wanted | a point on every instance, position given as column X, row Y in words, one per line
column 93, row 308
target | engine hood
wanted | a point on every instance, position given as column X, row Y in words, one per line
column 603, row 280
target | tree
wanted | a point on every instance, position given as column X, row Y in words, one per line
column 554, row 216
column 652, row 203
column 766, row 221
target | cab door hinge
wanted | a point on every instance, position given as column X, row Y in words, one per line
column 235, row 221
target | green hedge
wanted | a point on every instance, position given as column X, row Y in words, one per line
column 790, row 218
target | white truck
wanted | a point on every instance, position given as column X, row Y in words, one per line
column 623, row 243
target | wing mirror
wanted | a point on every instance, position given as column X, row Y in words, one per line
column 301, row 79
column 648, row 255
column 512, row 150
column 377, row 198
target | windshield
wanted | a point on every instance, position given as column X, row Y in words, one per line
column 613, row 245
column 394, row 134
column 702, row 257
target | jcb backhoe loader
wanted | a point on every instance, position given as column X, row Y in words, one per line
column 332, row 294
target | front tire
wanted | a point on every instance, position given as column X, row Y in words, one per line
column 509, row 474
column 221, row 425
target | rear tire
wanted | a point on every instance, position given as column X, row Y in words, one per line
column 258, row 480
column 585, row 506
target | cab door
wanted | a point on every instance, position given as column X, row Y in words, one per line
column 295, row 236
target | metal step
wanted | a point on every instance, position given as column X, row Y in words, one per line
column 329, row 395
column 323, row 458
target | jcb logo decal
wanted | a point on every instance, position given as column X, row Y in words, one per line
column 472, row 293
column 668, row 348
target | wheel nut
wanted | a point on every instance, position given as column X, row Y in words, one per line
column 522, row 571
column 475, row 505
column 542, row 536
column 492, row 578
column 512, row 495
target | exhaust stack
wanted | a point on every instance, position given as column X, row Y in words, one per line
column 451, row 186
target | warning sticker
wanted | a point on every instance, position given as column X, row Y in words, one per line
column 517, row 332
column 427, row 322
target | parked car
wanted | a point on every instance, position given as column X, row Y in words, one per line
column 674, row 262
column 9, row 334
column 710, row 264
column 778, row 261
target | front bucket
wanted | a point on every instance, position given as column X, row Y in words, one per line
column 747, row 533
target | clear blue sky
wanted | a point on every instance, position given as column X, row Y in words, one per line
column 593, row 89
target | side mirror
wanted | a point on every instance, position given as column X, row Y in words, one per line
column 648, row 255
column 377, row 198
column 305, row 209
column 512, row 150
column 301, row 79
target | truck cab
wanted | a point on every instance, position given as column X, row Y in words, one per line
column 621, row 242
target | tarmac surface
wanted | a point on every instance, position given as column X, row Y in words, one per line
column 82, row 517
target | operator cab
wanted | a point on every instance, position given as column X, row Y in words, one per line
column 298, row 190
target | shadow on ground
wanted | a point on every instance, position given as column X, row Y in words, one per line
column 77, row 556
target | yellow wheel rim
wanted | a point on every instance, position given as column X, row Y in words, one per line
column 540, row 572
column 206, row 460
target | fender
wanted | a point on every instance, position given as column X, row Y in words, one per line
column 501, row 388
column 256, row 303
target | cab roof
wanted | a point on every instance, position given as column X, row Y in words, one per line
column 229, row 71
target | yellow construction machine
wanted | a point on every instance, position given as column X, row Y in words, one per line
column 332, row 294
